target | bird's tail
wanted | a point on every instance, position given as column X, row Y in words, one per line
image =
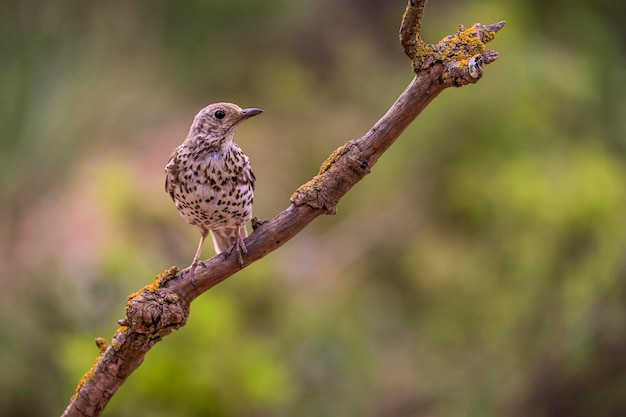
column 225, row 238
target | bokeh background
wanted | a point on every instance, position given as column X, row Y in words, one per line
column 480, row 270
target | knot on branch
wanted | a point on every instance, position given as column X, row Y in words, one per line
column 462, row 55
column 339, row 172
column 154, row 311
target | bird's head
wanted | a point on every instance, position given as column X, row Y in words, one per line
column 218, row 122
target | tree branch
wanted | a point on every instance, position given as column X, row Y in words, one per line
column 157, row 309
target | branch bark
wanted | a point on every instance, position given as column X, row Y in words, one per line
column 162, row 306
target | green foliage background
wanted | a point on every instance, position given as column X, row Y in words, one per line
column 480, row 270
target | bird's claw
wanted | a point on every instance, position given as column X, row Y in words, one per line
column 240, row 247
column 192, row 272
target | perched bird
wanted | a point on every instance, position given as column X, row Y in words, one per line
column 211, row 181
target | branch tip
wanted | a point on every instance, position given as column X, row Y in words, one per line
column 495, row 27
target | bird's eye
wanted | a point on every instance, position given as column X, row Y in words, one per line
column 220, row 114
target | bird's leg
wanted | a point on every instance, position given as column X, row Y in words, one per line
column 196, row 259
column 239, row 246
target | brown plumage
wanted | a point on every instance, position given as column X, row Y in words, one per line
column 211, row 181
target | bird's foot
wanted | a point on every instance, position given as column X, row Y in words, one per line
column 240, row 247
column 192, row 272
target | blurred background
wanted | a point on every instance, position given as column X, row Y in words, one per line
column 480, row 270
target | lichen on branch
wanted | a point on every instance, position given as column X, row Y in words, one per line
column 325, row 189
column 462, row 54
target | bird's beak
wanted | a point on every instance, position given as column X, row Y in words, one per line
column 247, row 113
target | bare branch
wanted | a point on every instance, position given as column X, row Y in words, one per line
column 157, row 309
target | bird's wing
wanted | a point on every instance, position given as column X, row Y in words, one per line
column 171, row 173
column 250, row 176
column 247, row 175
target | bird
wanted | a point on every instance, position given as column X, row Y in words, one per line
column 211, row 181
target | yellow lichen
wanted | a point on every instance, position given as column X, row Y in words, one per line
column 87, row 377
column 161, row 279
column 154, row 285
column 132, row 296
column 158, row 282
column 316, row 184
column 460, row 47
column 488, row 36
column 464, row 45
column 331, row 160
